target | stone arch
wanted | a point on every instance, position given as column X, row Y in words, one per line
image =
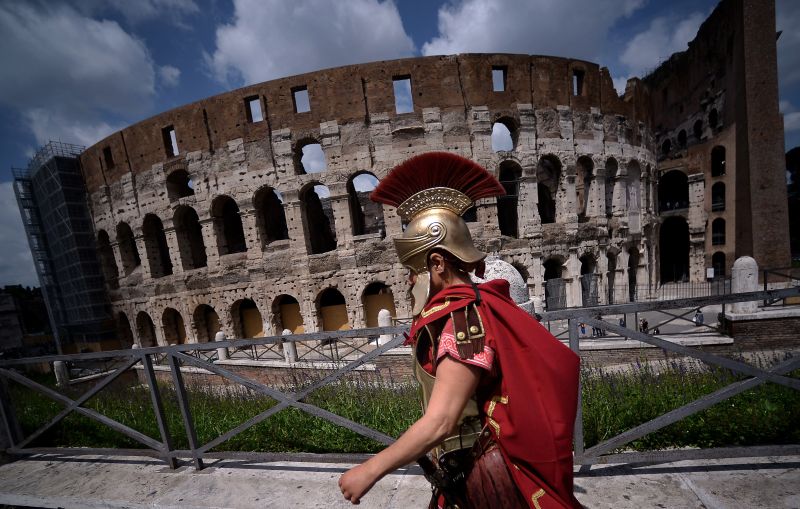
column 718, row 161
column 179, row 185
column 674, row 250
column 309, row 157
column 583, row 185
column 376, row 296
column 718, row 232
column 107, row 263
column 127, row 248
column 157, row 250
column 365, row 214
column 666, row 147
column 270, row 215
column 505, row 134
column 718, row 197
column 673, row 191
column 633, row 272
column 124, row 331
column 589, row 280
column 246, row 320
column 206, row 323
column 555, row 287
column 190, row 238
column 318, row 218
column 507, row 206
column 286, row 314
column 145, row 330
column 332, row 310
column 227, row 226
column 548, row 177
column 174, row 327
column 612, row 173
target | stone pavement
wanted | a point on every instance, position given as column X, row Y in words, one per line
column 132, row 482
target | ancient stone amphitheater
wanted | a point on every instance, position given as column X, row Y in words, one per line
column 247, row 212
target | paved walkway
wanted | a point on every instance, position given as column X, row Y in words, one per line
column 115, row 482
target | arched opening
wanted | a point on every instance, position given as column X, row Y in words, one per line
column 286, row 311
column 333, row 310
column 611, row 277
column 206, row 322
column 174, row 328
column 155, row 242
column 666, row 147
column 713, row 118
column 697, row 130
column 674, row 245
column 270, row 216
column 718, row 161
column 318, row 219
column 718, row 262
column 633, row 269
column 555, row 287
column 179, row 185
column 589, row 283
column 107, row 262
column 510, row 173
column 190, row 238
column 718, row 232
column 612, row 169
column 124, row 332
column 247, row 321
column 548, row 176
column 366, row 215
column 145, row 330
column 673, row 191
column 127, row 248
column 718, row 197
column 377, row 296
column 503, row 135
column 228, row 226
column 583, row 186
column 682, row 138
column 309, row 157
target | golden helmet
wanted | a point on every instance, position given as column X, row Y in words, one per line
column 431, row 192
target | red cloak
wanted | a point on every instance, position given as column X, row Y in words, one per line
column 531, row 406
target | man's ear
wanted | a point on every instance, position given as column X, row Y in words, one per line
column 436, row 262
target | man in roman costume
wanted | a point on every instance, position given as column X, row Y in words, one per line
column 500, row 392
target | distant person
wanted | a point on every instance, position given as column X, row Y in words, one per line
column 698, row 318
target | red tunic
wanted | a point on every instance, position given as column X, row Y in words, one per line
column 529, row 400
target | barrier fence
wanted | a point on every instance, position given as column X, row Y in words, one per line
column 352, row 349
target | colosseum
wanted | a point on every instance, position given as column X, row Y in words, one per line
column 248, row 212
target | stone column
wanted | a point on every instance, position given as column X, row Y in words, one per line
column 618, row 205
column 573, row 266
column 744, row 278
column 527, row 213
column 222, row 353
column 697, row 228
column 289, row 348
column 251, row 233
column 119, row 260
column 174, row 250
column 602, row 273
column 569, row 210
column 384, row 320
column 62, row 374
column 210, row 243
column 294, row 222
column 340, row 204
column 141, row 247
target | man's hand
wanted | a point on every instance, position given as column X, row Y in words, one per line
column 356, row 482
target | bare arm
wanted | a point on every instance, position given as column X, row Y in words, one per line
column 455, row 384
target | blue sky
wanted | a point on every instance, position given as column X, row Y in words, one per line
column 78, row 70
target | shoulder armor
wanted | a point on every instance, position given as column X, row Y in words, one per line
column 468, row 330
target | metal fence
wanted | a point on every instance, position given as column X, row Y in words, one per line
column 352, row 349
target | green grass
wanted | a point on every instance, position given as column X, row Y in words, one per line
column 612, row 403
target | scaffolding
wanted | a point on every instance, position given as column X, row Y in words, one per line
column 52, row 200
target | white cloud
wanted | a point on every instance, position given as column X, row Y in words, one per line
column 665, row 36
column 620, row 84
column 169, row 75
column 791, row 121
column 268, row 39
column 143, row 10
column 16, row 264
column 785, row 107
column 60, row 69
column 575, row 29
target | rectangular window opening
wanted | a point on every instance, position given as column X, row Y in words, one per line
column 253, row 108
column 403, row 101
column 577, row 82
column 170, row 141
column 499, row 78
column 108, row 157
column 300, row 98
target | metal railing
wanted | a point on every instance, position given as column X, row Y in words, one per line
column 361, row 350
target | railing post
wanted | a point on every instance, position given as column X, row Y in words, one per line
column 574, row 345
column 158, row 409
column 186, row 412
column 10, row 431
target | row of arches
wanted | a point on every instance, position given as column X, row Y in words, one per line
column 243, row 319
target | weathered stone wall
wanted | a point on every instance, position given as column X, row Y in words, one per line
column 353, row 117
